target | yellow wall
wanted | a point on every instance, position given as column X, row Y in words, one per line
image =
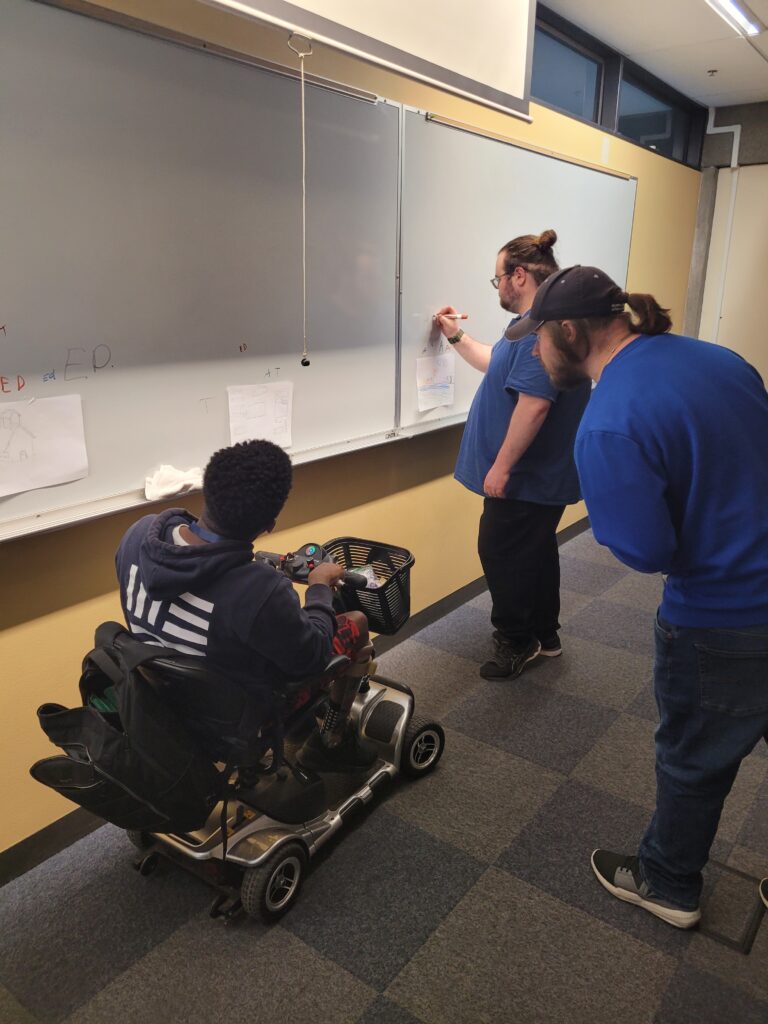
column 58, row 586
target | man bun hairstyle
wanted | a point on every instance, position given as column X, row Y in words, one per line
column 533, row 253
column 547, row 239
column 648, row 317
column 245, row 487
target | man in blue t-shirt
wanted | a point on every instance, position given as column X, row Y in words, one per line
column 517, row 451
column 673, row 462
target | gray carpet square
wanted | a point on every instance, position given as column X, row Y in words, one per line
column 11, row 1011
column 602, row 675
column 614, row 625
column 644, row 704
column 384, row 1011
column 747, row 973
column 589, row 578
column 638, row 590
column 584, row 546
column 622, row 762
column 570, row 603
column 743, row 820
column 729, row 906
column 465, row 633
column 553, row 853
column 439, row 680
column 749, row 861
column 695, row 997
column 753, row 833
column 375, row 900
column 478, row 797
column 243, row 975
column 534, row 722
column 85, row 917
column 485, row 963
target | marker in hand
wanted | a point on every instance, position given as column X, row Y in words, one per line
column 452, row 316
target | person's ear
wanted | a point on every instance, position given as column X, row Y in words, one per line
column 568, row 327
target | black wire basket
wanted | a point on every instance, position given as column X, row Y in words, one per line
column 387, row 607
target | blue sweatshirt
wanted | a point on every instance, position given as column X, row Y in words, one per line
column 214, row 601
column 672, row 454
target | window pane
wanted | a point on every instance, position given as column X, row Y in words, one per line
column 652, row 122
column 564, row 77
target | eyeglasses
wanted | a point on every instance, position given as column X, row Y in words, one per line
column 496, row 281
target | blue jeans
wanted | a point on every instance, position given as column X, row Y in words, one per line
column 712, row 694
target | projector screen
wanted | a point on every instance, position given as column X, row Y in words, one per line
column 480, row 50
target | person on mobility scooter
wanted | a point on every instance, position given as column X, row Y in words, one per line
column 193, row 585
column 197, row 732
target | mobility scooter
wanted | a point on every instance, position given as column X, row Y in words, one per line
column 272, row 815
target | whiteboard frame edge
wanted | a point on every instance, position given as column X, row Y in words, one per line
column 74, row 515
column 461, row 126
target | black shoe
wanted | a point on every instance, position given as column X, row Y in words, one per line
column 350, row 754
column 621, row 876
column 550, row 647
column 763, row 890
column 508, row 661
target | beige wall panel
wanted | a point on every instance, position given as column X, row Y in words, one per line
column 710, row 307
column 743, row 322
column 62, row 583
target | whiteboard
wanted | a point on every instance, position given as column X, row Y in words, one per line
column 464, row 197
column 150, row 210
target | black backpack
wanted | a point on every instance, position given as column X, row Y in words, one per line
column 128, row 757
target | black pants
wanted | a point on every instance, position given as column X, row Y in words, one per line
column 517, row 544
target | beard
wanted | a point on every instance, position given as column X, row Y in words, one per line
column 512, row 303
column 566, row 371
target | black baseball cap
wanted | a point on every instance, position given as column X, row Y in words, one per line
column 570, row 294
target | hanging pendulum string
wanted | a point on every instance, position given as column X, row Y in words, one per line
column 301, row 54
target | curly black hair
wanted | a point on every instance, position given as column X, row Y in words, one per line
column 244, row 488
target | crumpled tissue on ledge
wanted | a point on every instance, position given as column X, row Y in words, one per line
column 167, row 481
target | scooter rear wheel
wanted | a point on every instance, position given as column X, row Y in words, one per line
column 270, row 890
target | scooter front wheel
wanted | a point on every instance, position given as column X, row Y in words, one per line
column 270, row 890
column 423, row 747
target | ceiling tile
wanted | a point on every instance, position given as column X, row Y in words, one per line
column 739, row 68
column 678, row 41
column 630, row 26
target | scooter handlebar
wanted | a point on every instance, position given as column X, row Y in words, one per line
column 298, row 565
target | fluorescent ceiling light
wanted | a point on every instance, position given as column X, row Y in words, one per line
column 746, row 24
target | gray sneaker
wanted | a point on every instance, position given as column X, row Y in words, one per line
column 620, row 875
column 763, row 889
column 508, row 661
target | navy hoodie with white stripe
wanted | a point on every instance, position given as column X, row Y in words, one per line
column 214, row 601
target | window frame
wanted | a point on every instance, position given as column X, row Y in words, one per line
column 571, row 44
column 615, row 68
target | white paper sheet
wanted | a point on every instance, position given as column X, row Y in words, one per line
column 261, row 411
column 435, row 376
column 42, row 442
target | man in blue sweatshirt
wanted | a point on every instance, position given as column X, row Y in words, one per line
column 672, row 455
column 193, row 585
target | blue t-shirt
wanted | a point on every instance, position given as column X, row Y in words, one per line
column 546, row 472
column 673, row 458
